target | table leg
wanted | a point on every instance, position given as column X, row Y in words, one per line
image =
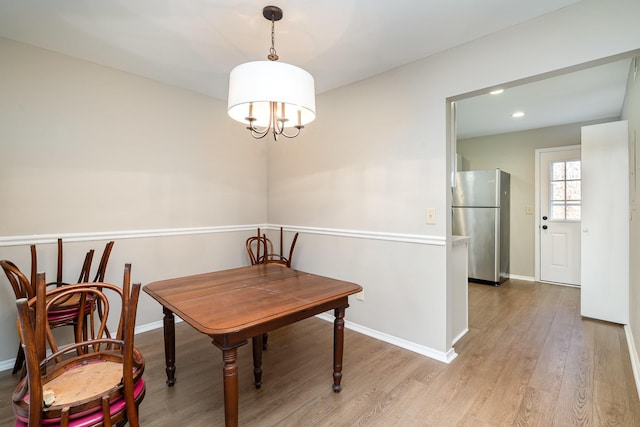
column 169, row 346
column 257, row 360
column 338, row 346
column 230, row 380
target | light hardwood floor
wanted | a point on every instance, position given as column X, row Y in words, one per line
column 528, row 359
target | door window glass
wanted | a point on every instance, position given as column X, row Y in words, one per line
column 565, row 191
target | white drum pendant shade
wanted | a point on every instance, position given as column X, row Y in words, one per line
column 262, row 82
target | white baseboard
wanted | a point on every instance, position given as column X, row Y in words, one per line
column 518, row 277
column 151, row 326
column 5, row 365
column 633, row 354
column 446, row 357
column 460, row 335
column 408, row 345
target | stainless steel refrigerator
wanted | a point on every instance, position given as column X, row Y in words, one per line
column 481, row 211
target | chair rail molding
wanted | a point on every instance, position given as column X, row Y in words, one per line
column 137, row 234
column 117, row 235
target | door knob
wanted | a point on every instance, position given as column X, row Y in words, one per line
column 544, row 217
column 544, row 227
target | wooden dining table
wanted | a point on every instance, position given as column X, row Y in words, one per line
column 233, row 306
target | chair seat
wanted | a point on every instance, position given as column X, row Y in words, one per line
column 97, row 378
column 99, row 374
column 68, row 391
column 68, row 311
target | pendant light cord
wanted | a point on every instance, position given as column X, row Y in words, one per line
column 273, row 56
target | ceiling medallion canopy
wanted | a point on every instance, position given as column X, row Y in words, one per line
column 271, row 97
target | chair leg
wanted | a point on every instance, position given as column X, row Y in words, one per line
column 19, row 360
column 265, row 337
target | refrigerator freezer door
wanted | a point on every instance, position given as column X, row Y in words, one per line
column 481, row 225
column 477, row 188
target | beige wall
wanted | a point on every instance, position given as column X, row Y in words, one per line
column 90, row 151
column 101, row 150
column 514, row 153
column 374, row 159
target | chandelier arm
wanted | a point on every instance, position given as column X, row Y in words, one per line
column 278, row 123
column 258, row 134
column 272, row 119
column 294, row 135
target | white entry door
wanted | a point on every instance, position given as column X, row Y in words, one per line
column 559, row 204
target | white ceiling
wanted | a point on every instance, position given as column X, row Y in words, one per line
column 592, row 94
column 195, row 43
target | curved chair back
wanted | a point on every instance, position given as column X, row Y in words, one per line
column 19, row 282
column 260, row 250
column 258, row 247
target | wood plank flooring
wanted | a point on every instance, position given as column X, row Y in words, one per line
column 529, row 359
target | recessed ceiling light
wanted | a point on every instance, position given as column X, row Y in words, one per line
column 496, row 92
column 517, row 114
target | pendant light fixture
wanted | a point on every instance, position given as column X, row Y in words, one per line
column 271, row 96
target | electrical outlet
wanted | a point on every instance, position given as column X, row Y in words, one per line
column 430, row 216
column 360, row 296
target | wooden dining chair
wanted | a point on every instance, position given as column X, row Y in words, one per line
column 257, row 246
column 58, row 281
column 64, row 315
column 280, row 258
column 24, row 288
column 94, row 382
column 260, row 250
column 85, row 269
